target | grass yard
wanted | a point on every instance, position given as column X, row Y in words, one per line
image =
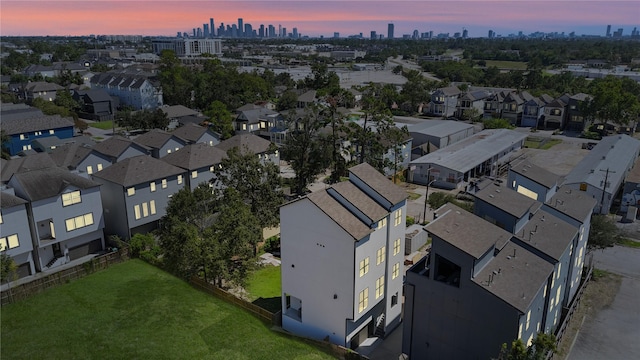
column 413, row 195
column 630, row 243
column 535, row 143
column 508, row 65
column 104, row 125
column 136, row 311
column 264, row 288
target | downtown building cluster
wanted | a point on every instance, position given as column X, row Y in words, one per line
column 239, row 30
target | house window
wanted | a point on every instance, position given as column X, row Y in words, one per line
column 71, row 198
column 558, row 294
column 79, row 222
column 380, row 255
column 244, row 126
column 164, row 181
column 211, row 169
column 396, row 246
column 152, row 186
column 398, row 217
column 38, row 133
column 51, row 132
column 152, row 206
column 558, row 273
column 26, row 147
column 131, row 191
column 194, row 174
column 89, row 169
column 379, row 286
column 23, row 137
column 136, row 211
column 177, row 149
column 363, row 300
column 395, row 272
column 520, row 331
column 100, row 167
column 210, row 142
column 528, row 319
column 394, row 299
column 145, row 209
column 1, row 221
column 168, row 151
column 9, row 242
column 382, row 223
column 364, row 266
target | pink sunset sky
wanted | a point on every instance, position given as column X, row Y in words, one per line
column 313, row 18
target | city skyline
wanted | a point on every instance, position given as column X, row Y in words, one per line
column 315, row 18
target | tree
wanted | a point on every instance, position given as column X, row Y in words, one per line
column 258, row 183
column 336, row 123
column 603, row 232
column 5, row 140
column 8, row 268
column 497, row 124
column 541, row 345
column 288, row 100
column 612, row 99
column 220, row 118
column 304, row 148
column 177, row 82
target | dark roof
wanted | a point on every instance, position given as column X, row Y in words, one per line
column 515, row 279
column 340, row 215
column 11, row 114
column 536, row 173
column 360, row 200
column 115, row 146
column 38, row 123
column 468, row 232
column 95, row 95
column 507, row 200
column 253, row 143
column 379, row 183
column 70, row 155
column 548, row 234
column 156, row 139
column 196, row 156
column 43, row 86
column 8, row 200
column 252, row 116
column 177, row 111
column 25, row 163
column 137, row 170
column 191, row 132
column 50, row 182
column 576, row 204
column 449, row 90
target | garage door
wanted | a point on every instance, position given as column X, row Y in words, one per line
column 85, row 249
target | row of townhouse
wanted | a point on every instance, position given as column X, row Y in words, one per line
column 520, row 108
column 139, row 92
column 508, row 271
column 69, row 198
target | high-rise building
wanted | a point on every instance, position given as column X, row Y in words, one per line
column 212, row 28
column 261, row 31
column 492, row 34
column 608, row 30
column 248, row 30
column 240, row 27
column 390, row 31
column 465, row 33
column 336, row 35
column 205, row 30
column 374, row 35
column 272, row 31
column 279, row 30
column 295, row 33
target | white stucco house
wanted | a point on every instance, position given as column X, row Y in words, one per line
column 342, row 257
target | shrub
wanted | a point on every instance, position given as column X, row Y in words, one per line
column 141, row 243
column 272, row 244
column 410, row 221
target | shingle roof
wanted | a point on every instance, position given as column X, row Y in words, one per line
column 70, row 155
column 176, row 111
column 536, row 173
column 39, row 123
column 196, row 156
column 115, row 146
column 360, row 200
column 43, row 86
column 50, row 182
column 190, row 132
column 156, row 139
column 11, row 114
column 137, row 170
column 576, row 204
column 508, row 200
column 340, row 215
column 467, row 232
column 515, row 279
column 449, row 90
column 95, row 95
column 379, row 183
column 253, row 143
column 8, row 200
column 548, row 234
column 25, row 163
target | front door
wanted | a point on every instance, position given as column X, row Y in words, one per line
column 56, row 250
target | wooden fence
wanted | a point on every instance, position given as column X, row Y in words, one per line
column 38, row 285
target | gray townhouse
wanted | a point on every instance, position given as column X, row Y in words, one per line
column 97, row 104
column 575, row 118
column 470, row 105
column 135, row 193
column 199, row 161
column 264, row 149
column 42, row 90
column 160, row 142
column 601, row 173
column 431, row 135
column 476, row 290
column 533, row 181
column 49, row 143
column 81, row 157
column 260, row 121
column 555, row 114
column 444, row 101
column 194, row 134
column 533, row 110
column 177, row 113
column 136, row 91
column 358, row 229
column 118, row 148
column 65, row 215
column 493, row 104
column 15, row 236
column 513, row 106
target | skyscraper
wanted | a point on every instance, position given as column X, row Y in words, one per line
column 205, row 30
column 390, row 31
column 608, row 30
column 240, row 27
column 374, row 35
column 212, row 28
column 261, row 31
column 295, row 33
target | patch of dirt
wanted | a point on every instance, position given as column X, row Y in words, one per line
column 599, row 294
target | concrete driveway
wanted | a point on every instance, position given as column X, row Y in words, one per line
column 614, row 333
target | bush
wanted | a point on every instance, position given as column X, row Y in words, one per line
column 272, row 244
column 410, row 221
column 141, row 243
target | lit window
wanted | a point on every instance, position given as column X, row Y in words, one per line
column 520, row 331
column 79, row 222
column 89, row 169
column 168, row 151
column 211, row 169
column 100, row 167
column 1, row 221
column 51, row 132
column 152, row 205
column 9, row 242
column 179, row 181
column 396, row 246
column 396, row 271
column 22, row 137
column 382, row 223
column 26, row 147
column 164, row 181
column 380, row 255
column 528, row 319
column 398, row 217
column 364, row 266
column 177, row 148
column 38, row 133
column 136, row 211
column 71, row 198
column 559, row 268
column 363, row 300
column 244, row 126
column 152, row 186
column 131, row 191
column 194, row 174
column 145, row 209
column 379, row 287
column 558, row 294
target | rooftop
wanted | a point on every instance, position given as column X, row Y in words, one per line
column 548, row 234
column 137, row 170
column 196, row 156
column 507, row 200
column 340, row 215
column 535, row 173
column 360, row 200
column 379, row 183
column 253, row 143
column 50, row 182
column 576, row 204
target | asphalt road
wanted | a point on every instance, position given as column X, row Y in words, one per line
column 614, row 333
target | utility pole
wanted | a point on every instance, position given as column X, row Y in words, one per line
column 604, row 188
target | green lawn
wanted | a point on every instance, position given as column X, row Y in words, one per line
column 510, row 65
column 413, row 195
column 104, row 125
column 630, row 243
column 264, row 288
column 136, row 311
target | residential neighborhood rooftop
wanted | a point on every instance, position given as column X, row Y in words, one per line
column 50, row 182
column 548, row 234
column 116, row 145
column 576, row 204
column 155, row 138
column 36, row 123
column 7, row 200
column 360, row 200
column 25, row 163
column 251, row 142
column 379, row 183
column 196, row 156
column 536, row 173
column 339, row 214
column 137, row 170
column 507, row 200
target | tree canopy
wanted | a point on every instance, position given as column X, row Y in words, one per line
column 603, row 232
